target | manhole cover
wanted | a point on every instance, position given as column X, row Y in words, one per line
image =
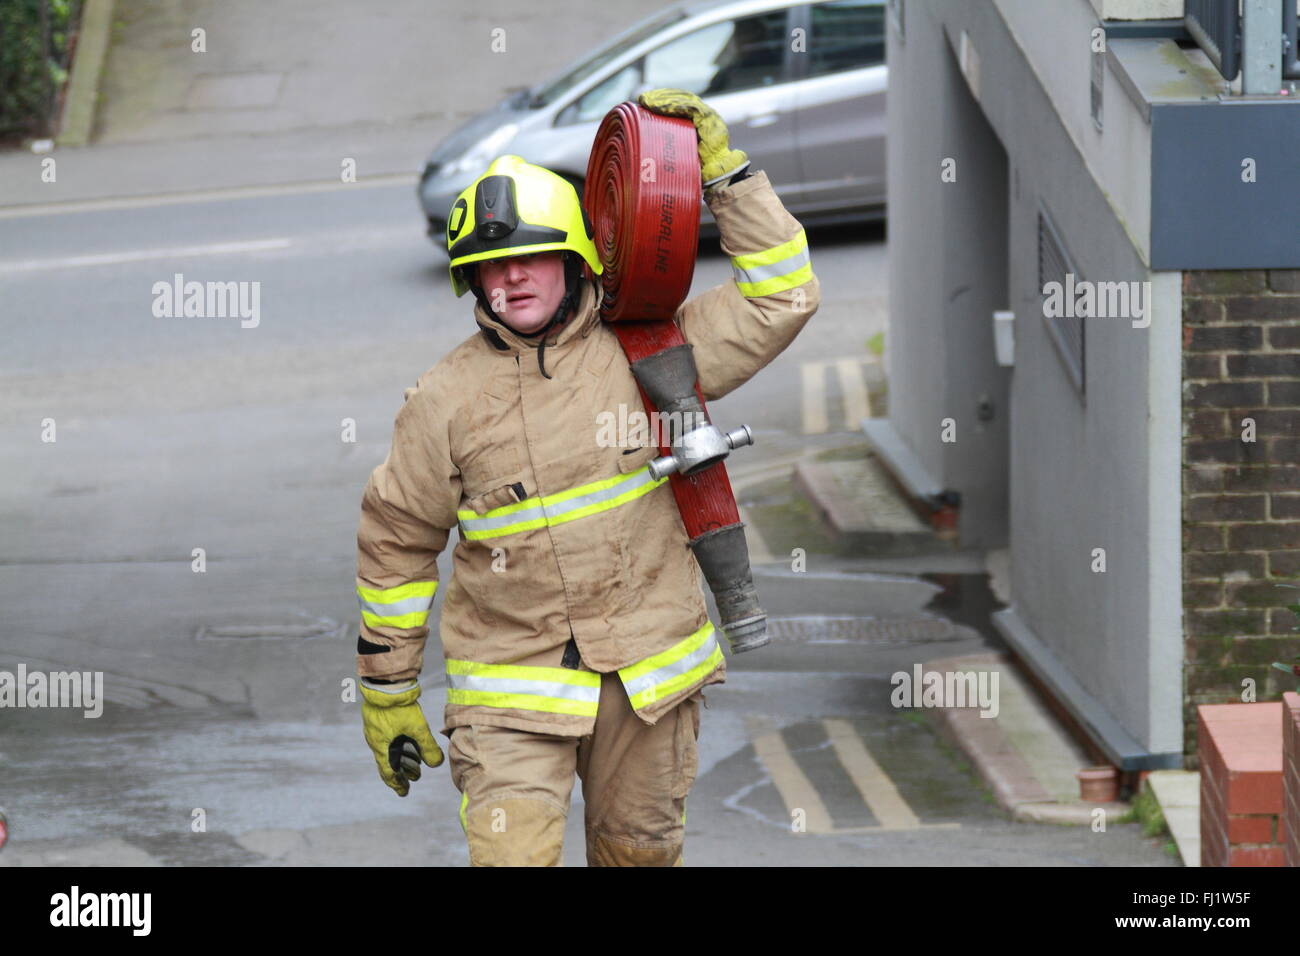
column 825, row 629
column 318, row 628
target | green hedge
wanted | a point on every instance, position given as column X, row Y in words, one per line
column 33, row 63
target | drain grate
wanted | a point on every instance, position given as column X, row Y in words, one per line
column 321, row 627
column 826, row 629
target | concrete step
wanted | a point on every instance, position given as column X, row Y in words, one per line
column 1179, row 794
column 863, row 509
column 1021, row 752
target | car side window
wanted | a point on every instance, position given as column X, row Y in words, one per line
column 603, row 97
column 723, row 57
column 846, row 35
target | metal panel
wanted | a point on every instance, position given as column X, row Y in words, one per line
column 1204, row 214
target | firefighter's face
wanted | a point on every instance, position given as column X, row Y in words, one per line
column 524, row 290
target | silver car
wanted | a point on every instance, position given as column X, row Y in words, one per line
column 800, row 85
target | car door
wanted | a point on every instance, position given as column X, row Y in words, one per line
column 840, row 104
column 742, row 68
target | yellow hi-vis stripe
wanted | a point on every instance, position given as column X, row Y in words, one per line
column 773, row 270
column 664, row 674
column 404, row 606
column 552, row 690
column 561, row 507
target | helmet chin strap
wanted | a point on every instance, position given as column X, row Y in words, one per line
column 572, row 272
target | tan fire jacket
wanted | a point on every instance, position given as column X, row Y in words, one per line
column 564, row 539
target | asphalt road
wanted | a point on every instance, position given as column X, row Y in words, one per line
column 224, row 688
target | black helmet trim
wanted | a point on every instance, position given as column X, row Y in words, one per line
column 457, row 220
column 522, row 235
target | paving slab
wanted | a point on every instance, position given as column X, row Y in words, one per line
column 1178, row 792
column 1020, row 751
column 862, row 508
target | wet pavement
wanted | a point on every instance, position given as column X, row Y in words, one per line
column 225, row 738
column 803, row 761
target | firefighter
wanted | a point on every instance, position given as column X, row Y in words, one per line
column 574, row 629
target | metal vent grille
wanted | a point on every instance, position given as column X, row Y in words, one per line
column 1066, row 332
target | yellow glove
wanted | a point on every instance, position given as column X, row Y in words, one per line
column 398, row 735
column 718, row 161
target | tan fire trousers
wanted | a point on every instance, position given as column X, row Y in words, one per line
column 515, row 786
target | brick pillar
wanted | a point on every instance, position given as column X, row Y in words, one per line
column 1241, row 784
column 1241, row 499
column 1291, row 777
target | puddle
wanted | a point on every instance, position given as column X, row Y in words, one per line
column 967, row 599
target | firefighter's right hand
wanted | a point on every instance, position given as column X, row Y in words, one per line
column 398, row 735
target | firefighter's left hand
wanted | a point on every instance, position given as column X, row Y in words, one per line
column 718, row 161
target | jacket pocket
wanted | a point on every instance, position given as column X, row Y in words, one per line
column 509, row 493
column 634, row 458
column 487, row 473
column 686, row 746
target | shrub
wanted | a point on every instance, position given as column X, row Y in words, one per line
column 34, row 55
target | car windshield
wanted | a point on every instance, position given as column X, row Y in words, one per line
column 623, row 43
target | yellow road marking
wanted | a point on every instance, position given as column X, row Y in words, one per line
column 886, row 803
column 754, row 541
column 853, row 386
column 791, row 783
column 799, row 793
column 813, row 405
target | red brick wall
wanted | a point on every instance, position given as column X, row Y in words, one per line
column 1291, row 775
column 1241, row 784
column 1241, row 499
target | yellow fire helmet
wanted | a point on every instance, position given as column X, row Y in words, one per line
column 513, row 209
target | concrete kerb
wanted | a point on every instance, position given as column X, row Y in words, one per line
column 1014, row 779
column 87, row 72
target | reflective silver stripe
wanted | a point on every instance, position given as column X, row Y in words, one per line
column 388, row 688
column 411, row 605
column 784, row 267
column 633, row 481
column 515, row 685
column 639, row 685
column 504, row 521
column 552, row 509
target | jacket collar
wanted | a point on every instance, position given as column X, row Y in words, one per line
column 580, row 322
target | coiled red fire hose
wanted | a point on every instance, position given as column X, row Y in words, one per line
column 643, row 196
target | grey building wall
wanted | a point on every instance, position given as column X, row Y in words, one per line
column 948, row 256
column 1080, row 469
